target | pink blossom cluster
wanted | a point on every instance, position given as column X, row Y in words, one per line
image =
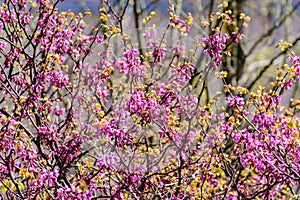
column 216, row 44
column 131, row 64
column 141, row 104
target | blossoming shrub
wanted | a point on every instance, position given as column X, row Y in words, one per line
column 81, row 121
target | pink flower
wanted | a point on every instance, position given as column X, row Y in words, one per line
column 235, row 101
column 159, row 54
column 131, row 64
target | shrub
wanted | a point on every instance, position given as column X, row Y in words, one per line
column 87, row 113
